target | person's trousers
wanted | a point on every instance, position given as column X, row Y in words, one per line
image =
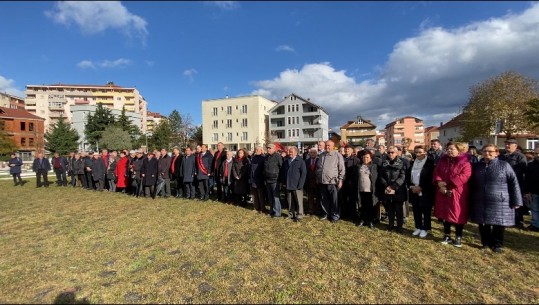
column 367, row 209
column 313, row 201
column 179, row 186
column 189, row 190
column 112, row 185
column 329, row 199
column 73, row 178
column 534, row 207
column 491, row 235
column 273, row 198
column 89, row 181
column 42, row 174
column 227, row 193
column 166, row 187
column 61, row 178
column 211, row 183
column 349, row 202
column 82, row 180
column 203, row 188
column 15, row 177
column 458, row 228
column 219, row 189
column 295, row 203
column 149, row 190
column 259, row 197
column 99, row 184
column 422, row 216
column 394, row 208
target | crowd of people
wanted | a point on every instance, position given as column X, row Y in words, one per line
column 457, row 183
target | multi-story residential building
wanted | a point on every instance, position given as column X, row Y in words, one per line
column 298, row 121
column 11, row 101
column 152, row 120
column 239, row 122
column 407, row 132
column 380, row 137
column 79, row 118
column 431, row 133
column 333, row 136
column 26, row 130
column 450, row 131
column 52, row 101
column 356, row 132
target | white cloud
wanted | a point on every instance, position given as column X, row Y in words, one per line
column 190, row 73
column 428, row 75
column 285, row 48
column 118, row 63
column 8, row 86
column 150, row 63
column 98, row 16
column 225, row 5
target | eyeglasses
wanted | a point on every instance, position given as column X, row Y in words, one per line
column 390, row 152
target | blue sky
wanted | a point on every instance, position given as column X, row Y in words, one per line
column 382, row 60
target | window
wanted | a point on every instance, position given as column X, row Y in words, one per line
column 244, row 109
column 214, row 113
column 215, row 124
column 118, row 98
column 215, row 137
column 228, row 123
column 244, row 123
column 289, row 120
column 297, row 120
column 229, row 138
column 289, row 133
column 297, row 107
column 23, row 141
column 244, row 136
column 297, row 132
column 31, row 141
column 23, row 126
column 229, row 110
column 236, row 107
column 30, row 126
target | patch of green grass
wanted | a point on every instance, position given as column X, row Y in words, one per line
column 111, row 248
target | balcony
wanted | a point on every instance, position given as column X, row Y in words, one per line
column 56, row 114
column 107, row 102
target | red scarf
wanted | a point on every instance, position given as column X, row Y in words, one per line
column 200, row 165
column 172, row 166
column 226, row 170
column 217, row 159
column 313, row 162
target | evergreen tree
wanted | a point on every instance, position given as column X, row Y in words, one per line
column 125, row 123
column 197, row 134
column 161, row 136
column 7, row 144
column 115, row 138
column 97, row 123
column 61, row 138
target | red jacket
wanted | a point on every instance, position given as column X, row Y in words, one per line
column 455, row 172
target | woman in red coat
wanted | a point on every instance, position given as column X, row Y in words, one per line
column 451, row 177
column 121, row 169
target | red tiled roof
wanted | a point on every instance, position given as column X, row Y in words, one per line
column 454, row 122
column 74, row 85
column 431, row 129
column 17, row 114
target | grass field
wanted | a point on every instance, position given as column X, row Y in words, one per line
column 64, row 244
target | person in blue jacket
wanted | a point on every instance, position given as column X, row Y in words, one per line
column 15, row 164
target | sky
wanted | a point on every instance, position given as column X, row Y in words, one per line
column 381, row 60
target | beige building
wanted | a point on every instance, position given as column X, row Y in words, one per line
column 152, row 120
column 431, row 133
column 239, row 122
column 358, row 131
column 11, row 101
column 52, row 101
column 407, row 131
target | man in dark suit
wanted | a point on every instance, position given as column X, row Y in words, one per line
column 60, row 164
column 203, row 162
column 98, row 170
column 218, row 158
column 175, row 172
column 311, row 187
column 41, row 167
column 294, row 173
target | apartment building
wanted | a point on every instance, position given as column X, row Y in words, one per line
column 358, row 131
column 239, row 122
column 152, row 120
column 52, row 101
column 431, row 133
column 298, row 121
column 407, row 131
column 11, row 101
column 26, row 130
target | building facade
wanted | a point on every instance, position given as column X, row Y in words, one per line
column 239, row 122
column 79, row 118
column 358, row 131
column 52, row 101
column 405, row 132
column 431, row 133
column 26, row 130
column 152, row 120
column 11, row 101
column 298, row 121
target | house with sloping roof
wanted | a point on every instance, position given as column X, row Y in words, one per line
column 25, row 129
column 358, row 131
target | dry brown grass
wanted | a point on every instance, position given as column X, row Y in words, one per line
column 111, row 248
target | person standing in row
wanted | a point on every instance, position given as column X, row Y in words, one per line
column 258, row 189
column 329, row 176
column 59, row 164
column 495, row 198
column 368, row 175
column 272, row 167
column 136, row 174
column 294, row 173
column 518, row 162
column 78, row 170
column 41, row 167
column 149, row 172
column 88, row 160
column 392, row 188
column 203, row 168
column 241, row 173
column 350, row 194
column 121, row 171
column 111, row 173
column 311, row 187
column 70, row 172
column 218, row 158
column 225, row 174
column 98, row 170
column 451, row 177
column 15, row 164
column 532, row 190
column 187, row 171
column 421, row 191
column 175, row 172
column 164, row 171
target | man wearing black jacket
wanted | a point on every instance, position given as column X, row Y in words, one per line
column 175, row 172
column 272, row 166
column 218, row 158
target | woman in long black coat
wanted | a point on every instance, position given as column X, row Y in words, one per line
column 391, row 188
column 421, row 190
column 241, row 173
column 495, row 197
column 149, row 171
column 78, row 170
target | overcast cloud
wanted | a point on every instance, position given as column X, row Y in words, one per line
column 428, row 76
